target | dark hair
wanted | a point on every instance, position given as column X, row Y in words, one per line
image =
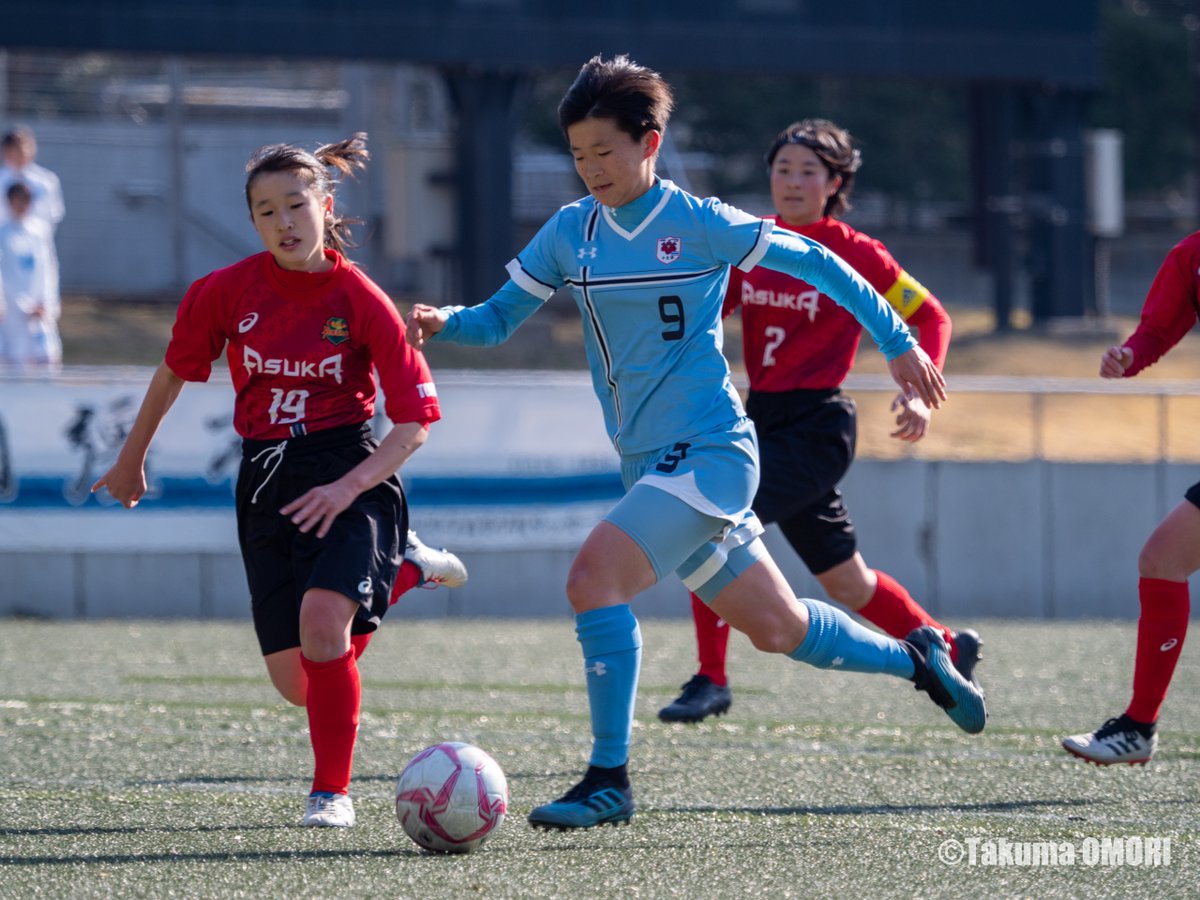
column 18, row 190
column 345, row 156
column 20, row 136
column 637, row 99
column 835, row 148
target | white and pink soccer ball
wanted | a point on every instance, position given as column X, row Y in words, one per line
column 450, row 797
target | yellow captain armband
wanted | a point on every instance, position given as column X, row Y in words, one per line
column 906, row 295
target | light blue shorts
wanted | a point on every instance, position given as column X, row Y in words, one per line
column 688, row 508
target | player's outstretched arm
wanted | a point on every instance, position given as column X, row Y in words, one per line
column 918, row 377
column 126, row 480
column 1115, row 362
column 486, row 324
column 796, row 255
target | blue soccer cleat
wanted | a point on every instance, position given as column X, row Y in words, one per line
column 935, row 675
column 594, row 801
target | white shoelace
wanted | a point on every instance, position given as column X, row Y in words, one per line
column 274, row 456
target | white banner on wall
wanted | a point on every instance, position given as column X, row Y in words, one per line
column 517, row 457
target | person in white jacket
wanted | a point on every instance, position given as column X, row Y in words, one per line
column 29, row 339
column 18, row 153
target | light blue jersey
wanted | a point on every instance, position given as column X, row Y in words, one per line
column 649, row 279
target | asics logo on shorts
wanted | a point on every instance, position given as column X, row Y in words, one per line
column 247, row 323
column 364, row 586
column 1169, row 645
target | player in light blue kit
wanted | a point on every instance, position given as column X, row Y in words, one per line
column 648, row 264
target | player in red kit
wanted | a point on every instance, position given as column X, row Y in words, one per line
column 322, row 519
column 1172, row 553
column 799, row 347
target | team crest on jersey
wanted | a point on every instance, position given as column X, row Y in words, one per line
column 336, row 330
column 668, row 249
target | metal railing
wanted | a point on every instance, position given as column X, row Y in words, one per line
column 1133, row 420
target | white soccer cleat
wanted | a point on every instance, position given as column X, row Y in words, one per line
column 325, row 810
column 1116, row 741
column 439, row 568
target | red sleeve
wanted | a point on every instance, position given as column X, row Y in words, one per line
column 912, row 300
column 1171, row 306
column 197, row 337
column 409, row 393
column 933, row 325
column 870, row 259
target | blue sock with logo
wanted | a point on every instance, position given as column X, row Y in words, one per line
column 612, row 657
column 836, row 641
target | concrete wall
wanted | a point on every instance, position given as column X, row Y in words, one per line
column 1030, row 540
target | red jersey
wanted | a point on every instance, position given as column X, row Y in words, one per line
column 1172, row 305
column 300, row 347
column 795, row 337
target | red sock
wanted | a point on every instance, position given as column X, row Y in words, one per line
column 894, row 610
column 712, row 641
column 333, row 701
column 1160, row 633
column 358, row 643
column 407, row 578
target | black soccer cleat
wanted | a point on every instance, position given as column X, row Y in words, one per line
column 970, row 650
column 700, row 699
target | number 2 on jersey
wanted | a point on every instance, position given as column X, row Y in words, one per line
column 775, row 336
column 287, row 406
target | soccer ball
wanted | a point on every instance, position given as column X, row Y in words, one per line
column 450, row 797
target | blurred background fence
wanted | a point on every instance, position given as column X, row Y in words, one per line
column 520, row 469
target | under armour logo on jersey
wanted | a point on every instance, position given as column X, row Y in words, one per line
column 364, row 586
column 588, row 252
column 1169, row 645
column 599, row 669
column 247, row 323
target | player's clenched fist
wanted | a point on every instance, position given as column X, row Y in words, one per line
column 1115, row 361
column 424, row 322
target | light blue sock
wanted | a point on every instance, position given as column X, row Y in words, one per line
column 612, row 656
column 836, row 641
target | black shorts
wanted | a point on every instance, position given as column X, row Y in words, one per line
column 1193, row 494
column 806, row 444
column 358, row 558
